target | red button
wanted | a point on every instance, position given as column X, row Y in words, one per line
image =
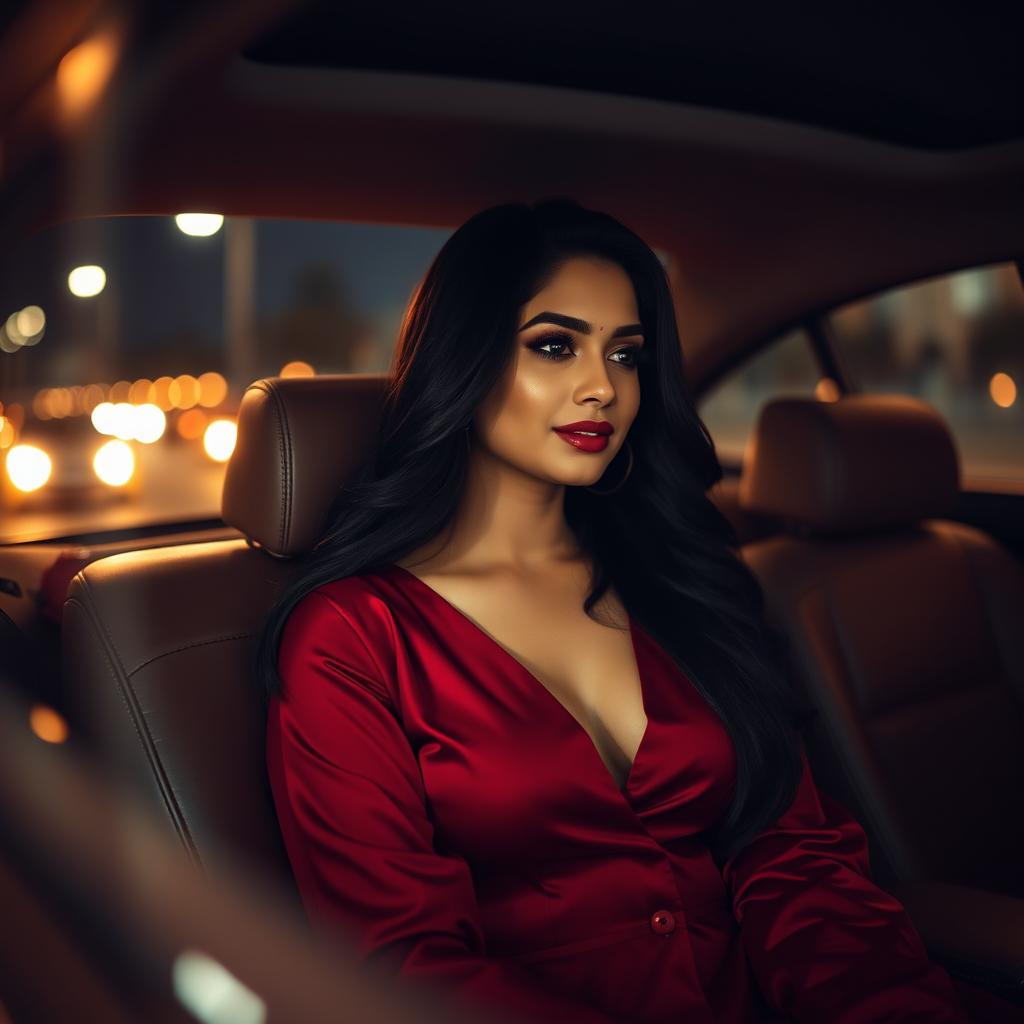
column 663, row 922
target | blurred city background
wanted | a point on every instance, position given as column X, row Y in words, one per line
column 126, row 343
column 955, row 340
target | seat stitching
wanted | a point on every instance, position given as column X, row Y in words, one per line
column 129, row 698
column 186, row 647
column 284, row 447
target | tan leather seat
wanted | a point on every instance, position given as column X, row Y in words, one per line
column 158, row 645
column 907, row 634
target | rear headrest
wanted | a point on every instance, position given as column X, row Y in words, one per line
column 298, row 440
column 860, row 463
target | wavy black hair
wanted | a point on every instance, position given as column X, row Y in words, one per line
column 664, row 545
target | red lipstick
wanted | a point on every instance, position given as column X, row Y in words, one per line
column 579, row 434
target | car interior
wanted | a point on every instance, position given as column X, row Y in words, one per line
column 897, row 579
column 121, row 927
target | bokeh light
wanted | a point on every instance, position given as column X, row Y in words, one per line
column 47, row 724
column 191, row 424
column 41, row 404
column 84, row 71
column 61, row 402
column 183, row 391
column 297, row 368
column 6, row 344
column 212, row 994
column 24, row 328
column 826, row 390
column 13, row 330
column 141, row 391
column 213, row 389
column 219, row 439
column 123, row 421
column 30, row 321
column 114, row 463
column 150, row 423
column 87, row 281
column 92, row 395
column 162, row 393
column 28, row 467
column 199, row 225
column 1003, row 390
column 15, row 412
column 102, row 417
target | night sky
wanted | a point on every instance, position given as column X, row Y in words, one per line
column 163, row 284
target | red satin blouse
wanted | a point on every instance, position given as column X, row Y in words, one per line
column 441, row 806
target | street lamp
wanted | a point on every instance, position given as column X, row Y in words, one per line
column 199, row 225
column 87, row 281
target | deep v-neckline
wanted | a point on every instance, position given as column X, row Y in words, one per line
column 514, row 661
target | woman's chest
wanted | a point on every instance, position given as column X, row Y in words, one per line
column 509, row 769
column 589, row 667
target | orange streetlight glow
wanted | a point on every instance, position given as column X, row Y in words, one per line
column 84, row 72
column 1002, row 390
column 297, row 368
column 47, row 724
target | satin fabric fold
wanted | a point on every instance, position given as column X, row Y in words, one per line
column 443, row 809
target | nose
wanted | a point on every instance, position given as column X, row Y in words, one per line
column 595, row 380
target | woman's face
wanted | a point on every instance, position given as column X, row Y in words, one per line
column 575, row 355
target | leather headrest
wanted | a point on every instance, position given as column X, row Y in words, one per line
column 298, row 440
column 860, row 463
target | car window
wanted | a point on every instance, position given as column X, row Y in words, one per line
column 126, row 344
column 956, row 341
column 730, row 408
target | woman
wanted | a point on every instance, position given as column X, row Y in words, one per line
column 530, row 737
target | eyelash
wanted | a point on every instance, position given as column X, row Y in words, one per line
column 547, row 339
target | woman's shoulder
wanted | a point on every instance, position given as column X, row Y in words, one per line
column 363, row 599
column 349, row 619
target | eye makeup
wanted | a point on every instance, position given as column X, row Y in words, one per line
column 538, row 344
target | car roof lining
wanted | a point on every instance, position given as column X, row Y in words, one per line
column 937, row 82
column 766, row 220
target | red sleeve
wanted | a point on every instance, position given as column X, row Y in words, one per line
column 352, row 809
column 825, row 943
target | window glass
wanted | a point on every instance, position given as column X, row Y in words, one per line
column 730, row 408
column 956, row 341
column 103, row 317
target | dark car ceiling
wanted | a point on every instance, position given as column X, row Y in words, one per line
column 935, row 77
column 768, row 219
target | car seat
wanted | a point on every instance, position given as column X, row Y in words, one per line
column 907, row 634
column 158, row 645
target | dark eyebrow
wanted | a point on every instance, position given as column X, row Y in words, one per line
column 580, row 326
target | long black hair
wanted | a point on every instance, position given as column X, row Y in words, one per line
column 664, row 545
